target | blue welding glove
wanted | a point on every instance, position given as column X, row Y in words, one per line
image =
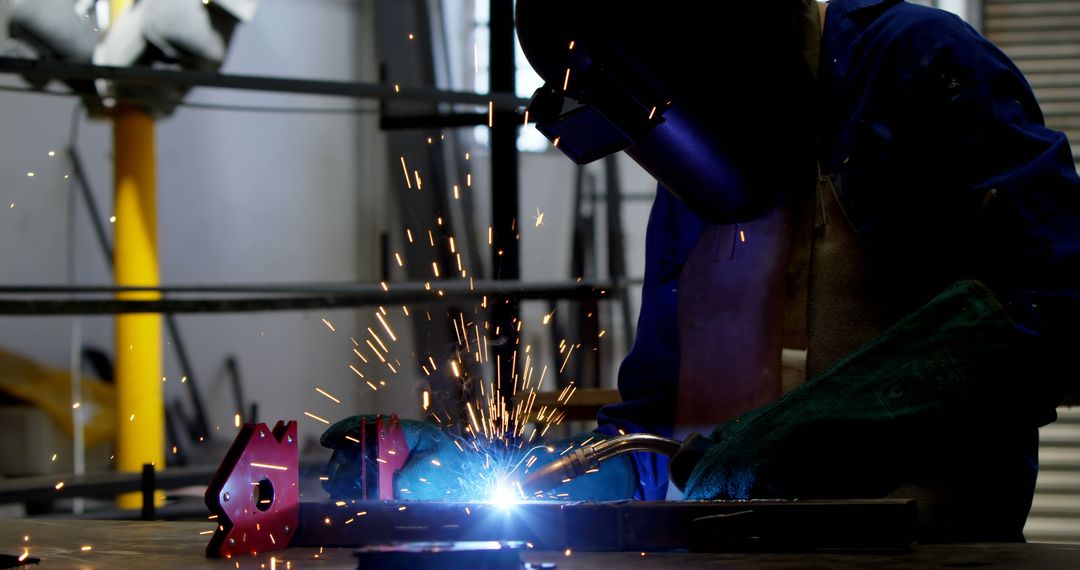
column 432, row 472
column 615, row 480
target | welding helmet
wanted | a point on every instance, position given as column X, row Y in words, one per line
column 713, row 99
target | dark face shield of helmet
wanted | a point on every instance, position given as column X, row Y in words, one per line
column 713, row 99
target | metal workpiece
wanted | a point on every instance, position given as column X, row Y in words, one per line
column 616, row 525
column 586, row 459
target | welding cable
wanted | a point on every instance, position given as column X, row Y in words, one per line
column 587, row 459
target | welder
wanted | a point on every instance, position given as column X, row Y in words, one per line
column 931, row 276
column 868, row 181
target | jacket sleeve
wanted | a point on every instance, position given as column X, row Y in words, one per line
column 1022, row 191
column 649, row 375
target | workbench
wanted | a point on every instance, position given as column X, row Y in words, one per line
column 148, row 545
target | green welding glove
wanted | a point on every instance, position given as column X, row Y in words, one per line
column 433, row 470
column 615, row 480
column 910, row 403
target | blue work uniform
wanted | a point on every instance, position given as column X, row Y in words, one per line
column 938, row 154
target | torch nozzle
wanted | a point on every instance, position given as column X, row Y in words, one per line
column 588, row 458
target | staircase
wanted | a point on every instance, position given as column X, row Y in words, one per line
column 1055, row 514
column 1043, row 38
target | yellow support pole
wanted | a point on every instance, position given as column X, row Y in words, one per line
column 140, row 406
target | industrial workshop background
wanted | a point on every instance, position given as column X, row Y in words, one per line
column 263, row 194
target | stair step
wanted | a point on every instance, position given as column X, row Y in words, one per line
column 1043, row 51
column 1055, row 36
column 1020, row 9
column 1067, row 79
column 1052, row 529
column 994, row 26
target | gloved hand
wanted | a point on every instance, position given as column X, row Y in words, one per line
column 615, row 480
column 433, row 470
column 909, row 405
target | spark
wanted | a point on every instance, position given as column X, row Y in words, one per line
column 435, row 268
column 397, row 256
column 236, row 420
column 568, row 552
column 353, row 368
column 468, row 180
column 317, row 418
column 408, row 233
column 384, row 286
column 406, row 170
column 566, row 80
column 30, row 174
column 397, row 88
column 602, row 333
column 539, row 217
column 491, row 118
column 555, row 143
column 386, row 326
column 572, row 45
column 52, row 153
column 329, row 325
column 378, row 340
column 412, row 37
column 75, row 406
column 652, row 113
column 426, row 397
column 131, row 418
column 742, row 236
column 112, row 219
column 54, row 457
column 59, row 485
column 457, row 192
column 327, row 394
column 207, row 532
column 419, row 182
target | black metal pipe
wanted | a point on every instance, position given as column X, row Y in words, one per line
column 144, row 75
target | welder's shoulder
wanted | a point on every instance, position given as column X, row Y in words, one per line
column 915, row 32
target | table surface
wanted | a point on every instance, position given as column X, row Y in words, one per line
column 144, row 545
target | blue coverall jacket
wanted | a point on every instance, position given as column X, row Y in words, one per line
column 939, row 156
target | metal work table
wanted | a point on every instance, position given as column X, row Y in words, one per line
column 147, row 545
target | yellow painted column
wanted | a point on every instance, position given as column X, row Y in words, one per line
column 140, row 408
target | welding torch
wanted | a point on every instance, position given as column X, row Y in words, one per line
column 587, row 459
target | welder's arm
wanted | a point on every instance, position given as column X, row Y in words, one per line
column 981, row 120
column 935, row 382
column 649, row 374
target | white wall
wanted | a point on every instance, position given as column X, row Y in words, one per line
column 243, row 198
